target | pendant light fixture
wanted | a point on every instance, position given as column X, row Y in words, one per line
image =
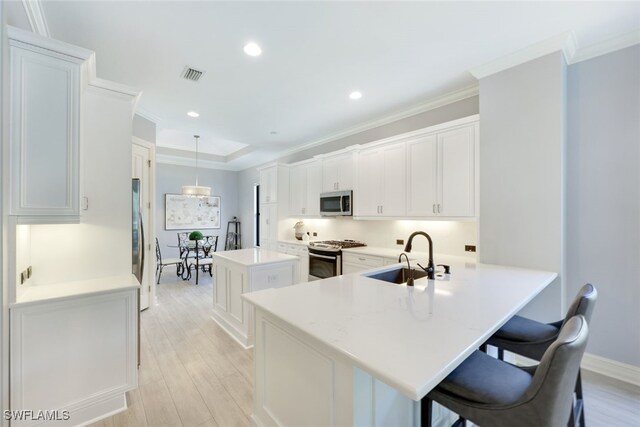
column 196, row 190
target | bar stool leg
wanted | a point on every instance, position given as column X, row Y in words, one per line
column 500, row 354
column 426, row 406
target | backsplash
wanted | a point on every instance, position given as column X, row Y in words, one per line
column 449, row 237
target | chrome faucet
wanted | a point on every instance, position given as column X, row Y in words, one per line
column 431, row 271
column 410, row 279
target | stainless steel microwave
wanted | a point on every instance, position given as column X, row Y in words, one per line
column 336, row 203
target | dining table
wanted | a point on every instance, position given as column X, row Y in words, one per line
column 185, row 251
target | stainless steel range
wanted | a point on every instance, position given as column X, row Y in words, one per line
column 325, row 257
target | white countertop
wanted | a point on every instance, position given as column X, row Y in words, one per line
column 254, row 256
column 409, row 337
column 34, row 294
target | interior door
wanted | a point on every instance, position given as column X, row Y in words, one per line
column 141, row 168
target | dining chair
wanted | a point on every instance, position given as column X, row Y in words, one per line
column 161, row 264
column 531, row 339
column 491, row 392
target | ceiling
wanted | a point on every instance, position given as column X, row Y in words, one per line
column 398, row 54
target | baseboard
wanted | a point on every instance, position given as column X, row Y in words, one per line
column 610, row 368
column 600, row 365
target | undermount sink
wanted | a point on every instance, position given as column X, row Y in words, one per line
column 398, row 275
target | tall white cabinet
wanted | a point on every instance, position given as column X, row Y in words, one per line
column 305, row 186
column 45, row 129
column 274, row 202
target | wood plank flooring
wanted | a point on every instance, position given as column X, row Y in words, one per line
column 193, row 374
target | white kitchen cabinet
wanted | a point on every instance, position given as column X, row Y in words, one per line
column 241, row 271
column 269, row 185
column 45, row 105
column 441, row 170
column 305, row 185
column 338, row 172
column 300, row 250
column 354, row 263
column 74, row 347
column 381, row 181
column 268, row 222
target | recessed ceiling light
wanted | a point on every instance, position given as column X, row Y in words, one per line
column 193, row 114
column 252, row 49
column 273, row 132
column 355, row 95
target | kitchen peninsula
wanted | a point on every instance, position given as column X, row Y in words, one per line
column 246, row 270
column 372, row 349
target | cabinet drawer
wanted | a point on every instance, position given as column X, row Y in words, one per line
column 364, row 260
column 282, row 248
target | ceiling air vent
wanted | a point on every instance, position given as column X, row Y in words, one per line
column 191, row 74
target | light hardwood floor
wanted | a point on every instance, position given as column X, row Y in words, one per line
column 193, row 374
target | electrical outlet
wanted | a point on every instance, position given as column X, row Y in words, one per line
column 469, row 248
column 29, row 272
column 399, row 241
column 315, row 234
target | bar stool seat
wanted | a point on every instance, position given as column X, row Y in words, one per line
column 484, row 379
column 526, row 330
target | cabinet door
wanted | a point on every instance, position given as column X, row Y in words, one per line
column 268, row 185
column 314, row 188
column 265, row 221
column 330, row 174
column 394, row 180
column 297, row 190
column 422, row 164
column 457, row 151
column 367, row 201
column 45, row 113
column 345, row 172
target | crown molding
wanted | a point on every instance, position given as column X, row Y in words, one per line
column 433, row 103
column 607, row 46
column 36, row 41
column 148, row 115
column 35, row 15
column 565, row 42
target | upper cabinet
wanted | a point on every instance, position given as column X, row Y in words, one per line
column 45, row 110
column 381, row 181
column 338, row 172
column 269, row 184
column 305, row 185
column 441, row 171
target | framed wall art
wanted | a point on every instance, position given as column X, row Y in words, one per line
column 191, row 213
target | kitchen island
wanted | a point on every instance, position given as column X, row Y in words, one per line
column 351, row 350
column 246, row 270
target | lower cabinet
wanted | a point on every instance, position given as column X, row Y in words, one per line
column 78, row 355
column 302, row 252
column 354, row 263
column 233, row 279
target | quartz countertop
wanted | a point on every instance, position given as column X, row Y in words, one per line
column 254, row 256
column 409, row 337
column 34, row 294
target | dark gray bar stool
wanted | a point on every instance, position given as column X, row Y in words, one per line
column 531, row 339
column 491, row 392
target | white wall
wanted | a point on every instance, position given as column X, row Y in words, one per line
column 603, row 198
column 100, row 245
column 522, row 143
column 4, row 288
column 171, row 178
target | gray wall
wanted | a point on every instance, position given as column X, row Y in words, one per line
column 522, row 141
column 144, row 129
column 171, row 178
column 4, row 289
column 603, row 200
column 249, row 177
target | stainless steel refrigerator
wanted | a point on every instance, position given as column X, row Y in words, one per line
column 137, row 230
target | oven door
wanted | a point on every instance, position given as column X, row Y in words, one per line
column 324, row 264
